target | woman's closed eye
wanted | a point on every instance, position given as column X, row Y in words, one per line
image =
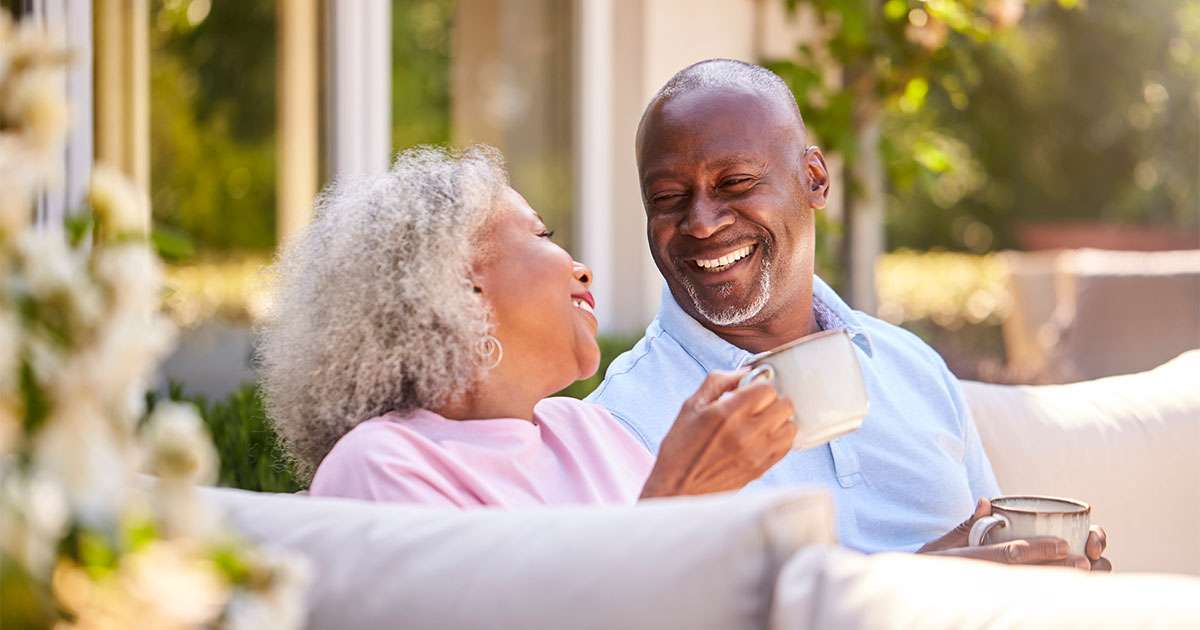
column 546, row 233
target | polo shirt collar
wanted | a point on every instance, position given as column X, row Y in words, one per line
column 714, row 353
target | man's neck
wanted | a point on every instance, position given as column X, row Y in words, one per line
column 786, row 324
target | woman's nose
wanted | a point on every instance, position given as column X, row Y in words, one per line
column 583, row 274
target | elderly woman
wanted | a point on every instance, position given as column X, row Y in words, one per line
column 420, row 323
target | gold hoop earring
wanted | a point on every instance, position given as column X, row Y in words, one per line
column 490, row 352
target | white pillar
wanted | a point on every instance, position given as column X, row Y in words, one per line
column 297, row 119
column 122, row 88
column 593, row 212
column 358, row 86
column 69, row 23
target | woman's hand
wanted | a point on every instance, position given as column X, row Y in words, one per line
column 721, row 442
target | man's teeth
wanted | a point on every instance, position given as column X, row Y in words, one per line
column 726, row 260
column 581, row 304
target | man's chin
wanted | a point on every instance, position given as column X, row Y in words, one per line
column 726, row 304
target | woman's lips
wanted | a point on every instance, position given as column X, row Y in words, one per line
column 585, row 302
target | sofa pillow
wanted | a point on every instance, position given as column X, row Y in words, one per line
column 674, row 563
column 835, row 588
column 1128, row 445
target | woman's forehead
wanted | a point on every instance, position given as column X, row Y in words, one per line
column 514, row 208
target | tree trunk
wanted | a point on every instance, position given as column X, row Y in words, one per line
column 864, row 237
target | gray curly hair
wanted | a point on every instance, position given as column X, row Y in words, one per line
column 374, row 310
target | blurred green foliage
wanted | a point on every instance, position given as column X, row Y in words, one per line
column 421, row 47
column 251, row 457
column 212, row 91
column 212, row 117
column 1089, row 114
column 1003, row 111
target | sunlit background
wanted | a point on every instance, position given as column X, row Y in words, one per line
column 989, row 156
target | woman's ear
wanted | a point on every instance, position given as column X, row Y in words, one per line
column 816, row 176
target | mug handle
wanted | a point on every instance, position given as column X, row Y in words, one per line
column 760, row 372
column 980, row 529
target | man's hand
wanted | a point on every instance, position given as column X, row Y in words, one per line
column 723, row 438
column 1041, row 550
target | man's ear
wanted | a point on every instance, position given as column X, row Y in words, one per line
column 816, row 177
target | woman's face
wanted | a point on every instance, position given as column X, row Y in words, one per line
column 541, row 307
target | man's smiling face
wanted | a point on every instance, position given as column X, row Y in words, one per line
column 726, row 182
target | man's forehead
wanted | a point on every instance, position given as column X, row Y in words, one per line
column 713, row 125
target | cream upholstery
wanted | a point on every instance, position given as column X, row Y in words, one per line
column 1129, row 445
column 833, row 588
column 681, row 563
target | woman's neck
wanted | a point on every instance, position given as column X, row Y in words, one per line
column 495, row 397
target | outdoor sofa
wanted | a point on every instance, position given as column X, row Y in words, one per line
column 1129, row 444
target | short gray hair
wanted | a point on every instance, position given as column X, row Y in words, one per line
column 727, row 74
column 374, row 310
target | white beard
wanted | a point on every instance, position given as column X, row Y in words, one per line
column 736, row 315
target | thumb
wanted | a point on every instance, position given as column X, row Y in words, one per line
column 982, row 508
column 716, row 383
column 958, row 536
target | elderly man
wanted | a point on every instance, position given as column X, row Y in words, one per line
column 730, row 186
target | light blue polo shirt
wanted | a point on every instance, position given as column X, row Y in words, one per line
column 911, row 473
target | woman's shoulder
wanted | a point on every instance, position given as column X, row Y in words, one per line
column 578, row 416
column 390, row 432
column 564, row 407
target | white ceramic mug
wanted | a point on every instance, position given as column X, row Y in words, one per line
column 1017, row 517
column 821, row 375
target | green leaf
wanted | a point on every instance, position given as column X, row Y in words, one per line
column 895, row 10
column 78, row 227
column 96, row 553
column 913, row 98
column 37, row 405
column 172, row 245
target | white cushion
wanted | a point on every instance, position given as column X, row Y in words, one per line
column 676, row 563
column 1129, row 445
column 835, row 588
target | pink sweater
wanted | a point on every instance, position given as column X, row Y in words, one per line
column 575, row 453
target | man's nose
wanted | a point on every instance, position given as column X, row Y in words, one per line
column 705, row 218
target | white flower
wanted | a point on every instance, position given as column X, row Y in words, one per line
column 77, row 447
column 119, row 206
column 10, row 347
column 175, row 579
column 47, row 265
column 133, row 276
column 35, row 105
column 179, row 444
column 56, row 277
column 33, row 516
column 279, row 602
column 117, row 364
